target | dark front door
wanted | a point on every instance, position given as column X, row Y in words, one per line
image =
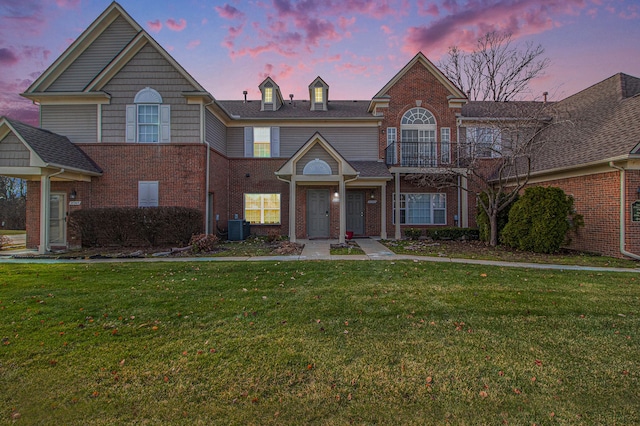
column 355, row 212
column 318, row 213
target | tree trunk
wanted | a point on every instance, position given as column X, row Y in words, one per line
column 493, row 228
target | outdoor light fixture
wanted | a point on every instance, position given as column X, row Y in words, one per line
column 73, row 194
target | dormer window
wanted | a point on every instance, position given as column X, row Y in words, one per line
column 271, row 96
column 319, row 95
column 268, row 95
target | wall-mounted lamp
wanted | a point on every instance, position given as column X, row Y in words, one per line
column 382, row 131
column 373, row 195
column 73, row 194
column 247, row 175
column 336, row 195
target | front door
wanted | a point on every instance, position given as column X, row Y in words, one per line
column 57, row 229
column 355, row 212
column 318, row 213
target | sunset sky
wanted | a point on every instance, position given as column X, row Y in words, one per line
column 356, row 46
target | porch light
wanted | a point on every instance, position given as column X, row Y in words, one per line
column 73, row 194
column 336, row 195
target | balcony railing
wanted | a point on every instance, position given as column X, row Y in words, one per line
column 412, row 154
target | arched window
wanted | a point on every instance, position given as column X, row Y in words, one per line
column 148, row 120
column 418, row 138
column 317, row 167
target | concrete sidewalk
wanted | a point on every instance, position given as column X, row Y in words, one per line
column 314, row 250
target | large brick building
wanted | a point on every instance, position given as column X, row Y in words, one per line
column 123, row 124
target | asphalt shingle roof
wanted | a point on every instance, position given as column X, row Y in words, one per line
column 371, row 169
column 299, row 109
column 54, row 149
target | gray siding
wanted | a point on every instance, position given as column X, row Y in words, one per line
column 13, row 153
column 77, row 122
column 320, row 153
column 353, row 143
column 149, row 69
column 216, row 133
column 97, row 56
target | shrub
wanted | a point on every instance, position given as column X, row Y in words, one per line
column 413, row 233
column 203, row 243
column 453, row 234
column 540, row 220
column 483, row 220
column 126, row 226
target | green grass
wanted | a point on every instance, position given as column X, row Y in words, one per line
column 479, row 250
column 349, row 248
column 11, row 232
column 316, row 343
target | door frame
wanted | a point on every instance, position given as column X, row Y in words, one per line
column 62, row 219
column 327, row 197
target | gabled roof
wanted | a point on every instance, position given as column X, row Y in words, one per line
column 51, row 149
column 454, row 91
column 596, row 125
column 39, row 87
column 289, row 167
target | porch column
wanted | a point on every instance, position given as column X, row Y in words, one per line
column 464, row 203
column 292, row 209
column 397, row 208
column 343, row 210
column 45, row 194
column 383, row 211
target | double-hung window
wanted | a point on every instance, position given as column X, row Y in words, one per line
column 484, row 142
column 421, row 209
column 445, row 145
column 262, row 142
column 418, row 145
column 262, row 209
column 148, row 120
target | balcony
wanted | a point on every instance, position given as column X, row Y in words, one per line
column 414, row 154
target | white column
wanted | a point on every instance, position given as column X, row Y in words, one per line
column 45, row 191
column 397, row 209
column 464, row 220
column 292, row 210
column 383, row 211
column 343, row 210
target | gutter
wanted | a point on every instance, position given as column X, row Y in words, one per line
column 623, row 206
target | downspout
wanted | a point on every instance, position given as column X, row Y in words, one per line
column 623, row 206
column 203, row 131
column 292, row 208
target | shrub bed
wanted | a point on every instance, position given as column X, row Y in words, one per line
column 129, row 226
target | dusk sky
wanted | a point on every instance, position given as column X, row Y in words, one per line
column 356, row 46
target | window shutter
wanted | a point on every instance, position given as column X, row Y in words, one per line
column 147, row 194
column 131, row 123
column 275, row 142
column 248, row 141
column 165, row 123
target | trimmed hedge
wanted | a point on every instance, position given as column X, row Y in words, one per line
column 453, row 234
column 540, row 220
column 129, row 226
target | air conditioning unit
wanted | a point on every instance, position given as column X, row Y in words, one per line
column 239, row 230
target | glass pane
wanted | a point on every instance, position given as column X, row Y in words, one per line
column 252, row 216
column 439, row 217
column 262, row 150
column 252, row 201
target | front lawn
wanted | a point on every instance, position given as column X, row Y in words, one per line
column 316, row 343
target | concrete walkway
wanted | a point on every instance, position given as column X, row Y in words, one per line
column 313, row 250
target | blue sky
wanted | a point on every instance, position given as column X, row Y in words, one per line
column 356, row 46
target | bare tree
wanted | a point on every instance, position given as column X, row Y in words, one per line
column 12, row 203
column 497, row 149
column 496, row 70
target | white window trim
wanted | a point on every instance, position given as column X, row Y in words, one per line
column 445, row 154
column 262, row 208
column 496, row 141
column 431, row 207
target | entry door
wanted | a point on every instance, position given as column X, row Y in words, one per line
column 318, row 213
column 57, row 229
column 355, row 212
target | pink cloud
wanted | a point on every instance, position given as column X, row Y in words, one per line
column 68, row 4
column 174, row 25
column 8, row 57
column 193, row 44
column 630, row 13
column 229, row 12
column 14, row 106
column 154, row 26
column 427, row 8
column 386, row 29
column 345, row 23
column 477, row 17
